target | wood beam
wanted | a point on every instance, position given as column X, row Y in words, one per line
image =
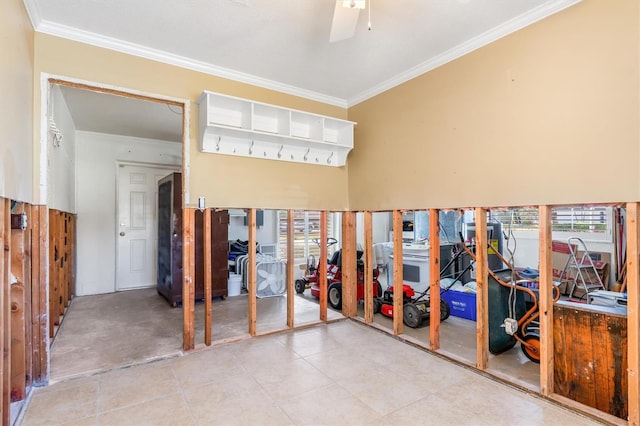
column 349, row 265
column 16, row 305
column 39, row 311
column 482, row 295
column 368, row 267
column 251, row 281
column 322, row 266
column 290, row 264
column 188, row 281
column 398, row 279
column 207, row 277
column 4, row 282
column 6, row 308
column 434, row 279
column 545, row 287
column 28, row 304
column 633, row 311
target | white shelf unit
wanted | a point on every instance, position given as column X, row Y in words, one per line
column 236, row 126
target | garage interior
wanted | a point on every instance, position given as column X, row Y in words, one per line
column 264, row 225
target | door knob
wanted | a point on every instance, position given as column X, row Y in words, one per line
column 122, row 234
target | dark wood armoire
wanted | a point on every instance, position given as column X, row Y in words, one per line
column 170, row 245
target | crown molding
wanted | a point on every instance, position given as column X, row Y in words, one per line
column 70, row 33
column 47, row 27
column 547, row 9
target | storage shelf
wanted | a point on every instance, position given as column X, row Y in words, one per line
column 235, row 126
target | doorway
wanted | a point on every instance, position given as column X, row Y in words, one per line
column 104, row 137
column 138, row 225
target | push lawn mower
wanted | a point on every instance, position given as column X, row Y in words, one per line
column 415, row 310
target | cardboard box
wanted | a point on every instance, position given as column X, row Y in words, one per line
column 461, row 304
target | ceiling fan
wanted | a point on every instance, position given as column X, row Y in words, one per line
column 345, row 18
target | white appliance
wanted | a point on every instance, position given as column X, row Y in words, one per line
column 415, row 267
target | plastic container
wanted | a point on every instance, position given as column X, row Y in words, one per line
column 234, row 285
column 461, row 304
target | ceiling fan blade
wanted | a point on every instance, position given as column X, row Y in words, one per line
column 344, row 22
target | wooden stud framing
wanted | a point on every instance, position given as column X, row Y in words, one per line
column 39, row 271
column 633, row 311
column 28, row 283
column 349, row 266
column 251, row 282
column 207, row 277
column 290, row 264
column 368, row 268
column 6, row 309
column 546, row 300
column 18, row 361
column 482, row 295
column 398, row 279
column 4, row 282
column 188, row 282
column 322, row 266
column 434, row 279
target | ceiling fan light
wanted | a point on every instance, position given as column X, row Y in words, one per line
column 354, row 4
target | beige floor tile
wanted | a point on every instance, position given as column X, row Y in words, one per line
column 239, row 401
column 385, row 391
column 262, row 353
column 63, row 402
column 290, row 380
column 169, row 410
column 330, row 405
column 130, row 386
column 342, row 364
column 309, row 342
column 207, row 366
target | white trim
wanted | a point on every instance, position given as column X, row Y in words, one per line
column 70, row 33
column 47, row 27
column 511, row 26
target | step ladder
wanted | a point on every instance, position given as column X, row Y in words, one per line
column 581, row 269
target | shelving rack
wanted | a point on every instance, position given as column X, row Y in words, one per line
column 241, row 127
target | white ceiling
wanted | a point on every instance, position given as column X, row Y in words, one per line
column 284, row 44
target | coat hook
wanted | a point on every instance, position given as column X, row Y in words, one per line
column 306, row 154
column 329, row 158
column 218, row 143
column 280, row 151
column 251, row 148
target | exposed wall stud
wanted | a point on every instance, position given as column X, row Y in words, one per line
column 251, row 282
column 188, row 281
column 398, row 279
column 368, row 267
column 482, row 294
column 434, row 279
column 545, row 286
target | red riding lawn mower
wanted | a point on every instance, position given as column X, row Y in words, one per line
column 334, row 278
column 415, row 310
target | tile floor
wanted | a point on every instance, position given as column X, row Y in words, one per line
column 339, row 373
column 107, row 331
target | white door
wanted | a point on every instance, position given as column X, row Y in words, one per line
column 137, row 225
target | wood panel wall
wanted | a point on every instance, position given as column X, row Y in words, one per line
column 62, row 239
column 23, row 313
column 590, row 358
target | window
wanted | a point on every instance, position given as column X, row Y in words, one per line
column 590, row 223
column 307, row 228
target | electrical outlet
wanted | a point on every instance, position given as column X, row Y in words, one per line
column 510, row 326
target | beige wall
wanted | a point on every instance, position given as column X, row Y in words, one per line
column 546, row 115
column 225, row 181
column 16, row 92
